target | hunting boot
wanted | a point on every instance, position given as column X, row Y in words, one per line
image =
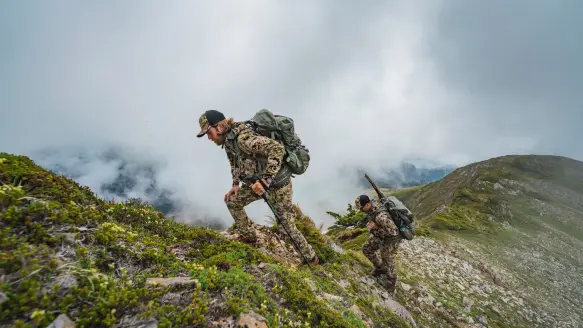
column 392, row 284
column 247, row 234
column 378, row 271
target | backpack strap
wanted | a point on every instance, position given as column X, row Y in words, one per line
column 281, row 178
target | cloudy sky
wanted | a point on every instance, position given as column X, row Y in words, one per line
column 449, row 81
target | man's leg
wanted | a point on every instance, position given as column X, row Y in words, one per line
column 370, row 248
column 388, row 252
column 281, row 199
column 236, row 206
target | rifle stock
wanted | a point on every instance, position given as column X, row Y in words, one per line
column 379, row 193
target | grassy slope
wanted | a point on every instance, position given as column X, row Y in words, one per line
column 521, row 213
column 66, row 251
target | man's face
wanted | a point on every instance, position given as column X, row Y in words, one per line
column 213, row 134
column 366, row 207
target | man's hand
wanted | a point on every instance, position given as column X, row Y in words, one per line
column 258, row 188
column 234, row 190
column 370, row 225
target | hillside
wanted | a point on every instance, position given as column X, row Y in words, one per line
column 499, row 246
column 501, row 243
column 68, row 255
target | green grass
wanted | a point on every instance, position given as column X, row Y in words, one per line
column 119, row 245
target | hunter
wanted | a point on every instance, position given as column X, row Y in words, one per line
column 384, row 236
column 244, row 149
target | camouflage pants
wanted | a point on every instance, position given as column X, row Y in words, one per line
column 388, row 250
column 281, row 199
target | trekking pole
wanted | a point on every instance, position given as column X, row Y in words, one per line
column 279, row 221
column 264, row 196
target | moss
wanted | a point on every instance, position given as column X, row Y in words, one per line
column 314, row 236
column 377, row 314
column 300, row 298
column 356, row 243
column 99, row 277
column 37, row 182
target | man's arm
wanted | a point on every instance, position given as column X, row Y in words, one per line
column 269, row 148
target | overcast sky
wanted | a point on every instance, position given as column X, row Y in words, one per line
column 372, row 83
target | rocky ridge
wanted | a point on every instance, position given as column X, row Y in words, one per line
column 489, row 240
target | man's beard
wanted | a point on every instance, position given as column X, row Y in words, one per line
column 221, row 141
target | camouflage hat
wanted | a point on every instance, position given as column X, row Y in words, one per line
column 208, row 119
column 360, row 201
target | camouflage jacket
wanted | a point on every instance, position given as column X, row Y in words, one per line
column 244, row 147
column 385, row 227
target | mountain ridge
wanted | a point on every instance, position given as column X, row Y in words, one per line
column 517, row 217
column 490, row 252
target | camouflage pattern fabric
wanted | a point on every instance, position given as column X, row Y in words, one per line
column 204, row 124
column 388, row 250
column 384, row 238
column 385, row 227
column 244, row 162
column 281, row 199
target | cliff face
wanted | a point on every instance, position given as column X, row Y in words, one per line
column 501, row 243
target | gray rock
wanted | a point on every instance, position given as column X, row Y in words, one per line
column 171, row 282
column 172, row 298
column 251, row 320
column 400, row 310
column 468, row 304
column 333, row 298
column 133, row 322
column 481, row 319
column 335, row 247
column 62, row 321
column 263, row 265
column 69, row 237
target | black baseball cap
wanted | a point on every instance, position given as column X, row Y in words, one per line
column 363, row 199
column 208, row 119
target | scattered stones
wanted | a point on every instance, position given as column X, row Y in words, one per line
column 463, row 284
column 270, row 243
column 400, row 310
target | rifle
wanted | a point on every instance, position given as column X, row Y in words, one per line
column 401, row 220
column 277, row 217
column 379, row 193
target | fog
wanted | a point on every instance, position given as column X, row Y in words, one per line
column 367, row 85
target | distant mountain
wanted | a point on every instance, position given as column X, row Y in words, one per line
column 113, row 175
column 407, row 175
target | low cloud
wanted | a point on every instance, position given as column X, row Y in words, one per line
column 367, row 85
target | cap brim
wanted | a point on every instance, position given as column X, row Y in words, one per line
column 202, row 132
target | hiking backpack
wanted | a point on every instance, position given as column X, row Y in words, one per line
column 281, row 128
column 401, row 215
